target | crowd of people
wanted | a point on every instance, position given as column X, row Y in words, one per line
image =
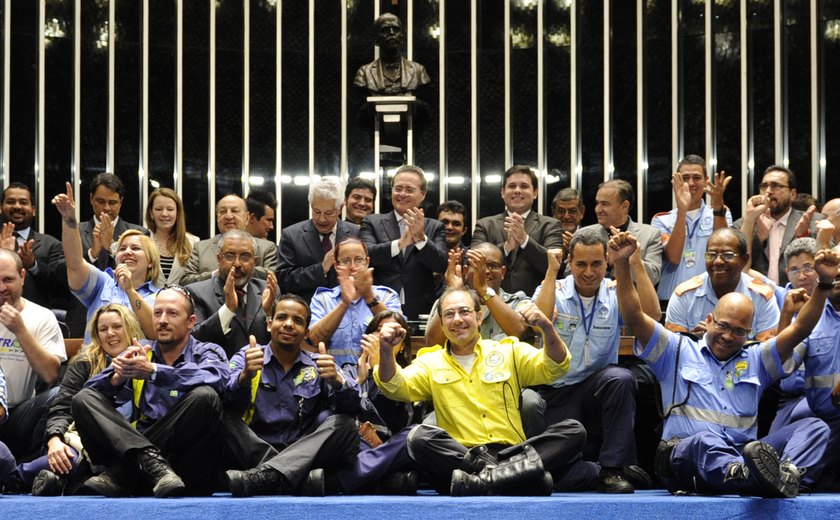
column 234, row 364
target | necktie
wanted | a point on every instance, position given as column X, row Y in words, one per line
column 18, row 240
column 326, row 245
column 241, row 305
column 774, row 250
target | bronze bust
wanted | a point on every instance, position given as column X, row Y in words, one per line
column 392, row 74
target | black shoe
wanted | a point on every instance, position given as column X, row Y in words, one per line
column 476, row 458
column 612, row 481
column 637, row 477
column 662, row 459
column 509, row 477
column 159, row 474
column 257, row 481
column 399, row 483
column 774, row 480
column 314, row 485
column 47, row 484
column 14, row 485
column 108, row 483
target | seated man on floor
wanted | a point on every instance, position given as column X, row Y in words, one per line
column 711, row 388
column 295, row 404
column 175, row 384
column 479, row 447
column 595, row 391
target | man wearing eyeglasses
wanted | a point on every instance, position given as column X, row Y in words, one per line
column 231, row 306
column 778, row 225
column 307, row 249
column 567, row 207
column 686, row 229
column 726, row 255
column 711, row 388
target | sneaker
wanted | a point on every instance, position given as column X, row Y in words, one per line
column 612, row 481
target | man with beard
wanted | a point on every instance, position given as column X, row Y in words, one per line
column 230, row 306
column 726, row 255
column 779, row 225
column 567, row 207
column 453, row 215
column 170, row 445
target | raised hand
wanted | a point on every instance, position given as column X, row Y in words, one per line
column 390, row 335
column 803, row 227
column 7, row 237
column 826, row 265
column 478, row 268
column 622, row 245
column 270, row 292
column 716, row 189
column 229, row 290
column 327, row 368
column 27, row 254
column 534, row 317
column 123, row 275
column 682, row 193
column 454, row 276
column 515, row 228
column 795, row 299
column 555, row 260
column 65, row 204
column 254, row 361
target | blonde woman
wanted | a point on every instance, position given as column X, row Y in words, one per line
column 166, row 219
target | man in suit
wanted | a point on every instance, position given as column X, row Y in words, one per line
column 772, row 233
column 106, row 226
column 612, row 207
column 307, row 259
column 523, row 234
column 42, row 255
column 567, row 207
column 262, row 207
column 231, row 213
column 406, row 248
column 359, row 195
column 229, row 307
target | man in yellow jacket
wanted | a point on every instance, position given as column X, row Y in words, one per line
column 479, row 447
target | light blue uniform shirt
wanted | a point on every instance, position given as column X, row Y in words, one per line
column 821, row 351
column 591, row 335
column 692, row 306
column 724, row 394
column 692, row 263
column 346, row 342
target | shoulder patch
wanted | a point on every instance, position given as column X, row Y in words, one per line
column 695, row 282
column 661, row 214
column 611, row 284
column 761, row 288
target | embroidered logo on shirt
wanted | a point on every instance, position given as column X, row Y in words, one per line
column 603, row 313
column 495, row 377
column 741, row 368
column 306, row 374
column 495, row 359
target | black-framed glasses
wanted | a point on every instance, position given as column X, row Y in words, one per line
column 772, row 186
column 183, row 291
column 738, row 332
column 563, row 211
column 728, row 256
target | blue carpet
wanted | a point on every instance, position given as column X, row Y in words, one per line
column 649, row 505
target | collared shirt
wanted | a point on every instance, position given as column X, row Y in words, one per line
column 395, row 244
column 689, row 307
column 101, row 288
column 591, row 336
column 481, row 407
column 345, row 344
column 489, row 328
column 199, row 364
column 291, row 404
column 527, row 236
column 719, row 396
column 692, row 263
column 821, row 352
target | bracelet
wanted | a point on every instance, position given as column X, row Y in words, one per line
column 825, row 286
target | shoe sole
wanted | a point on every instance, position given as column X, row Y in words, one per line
column 47, row 484
column 236, row 485
column 170, row 488
column 763, row 462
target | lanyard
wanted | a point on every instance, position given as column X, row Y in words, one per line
column 587, row 327
column 693, row 230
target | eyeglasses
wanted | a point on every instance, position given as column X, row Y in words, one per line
column 243, row 257
column 347, row 262
column 566, row 211
column 772, row 186
column 183, row 291
column 804, row 270
column 728, row 256
column 493, row 266
column 408, row 190
column 738, row 332
column 450, row 314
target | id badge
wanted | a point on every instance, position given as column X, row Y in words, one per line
column 689, row 257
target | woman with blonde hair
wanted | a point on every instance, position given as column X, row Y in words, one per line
column 166, row 219
column 112, row 329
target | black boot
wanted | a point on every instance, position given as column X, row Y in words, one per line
column 47, row 484
column 314, row 485
column 638, row 477
column 662, row 459
column 261, row 480
column 476, row 458
column 763, row 474
column 398, row 483
column 159, row 474
column 518, row 472
column 111, row 483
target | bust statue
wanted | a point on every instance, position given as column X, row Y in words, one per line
column 392, row 74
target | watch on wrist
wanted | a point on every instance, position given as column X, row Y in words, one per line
column 825, row 286
column 719, row 212
column 373, row 303
column 153, row 374
column 488, row 294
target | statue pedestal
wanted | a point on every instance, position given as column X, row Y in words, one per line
column 393, row 127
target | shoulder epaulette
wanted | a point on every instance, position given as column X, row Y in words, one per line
column 611, row 284
column 761, row 288
column 695, row 282
column 663, row 213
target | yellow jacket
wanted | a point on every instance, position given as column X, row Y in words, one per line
column 481, row 407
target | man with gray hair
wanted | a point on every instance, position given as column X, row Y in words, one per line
column 230, row 306
column 307, row 259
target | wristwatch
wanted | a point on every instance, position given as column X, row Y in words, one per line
column 719, row 212
column 153, row 375
column 373, row 303
column 487, row 295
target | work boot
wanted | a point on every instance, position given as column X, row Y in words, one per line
column 314, row 485
column 638, row 477
column 261, row 480
column 399, row 483
column 767, row 470
column 159, row 474
column 662, row 459
column 476, row 458
column 110, row 483
column 612, row 481
column 47, row 484
column 518, row 472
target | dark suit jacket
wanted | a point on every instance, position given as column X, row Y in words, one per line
column 203, row 261
column 105, row 259
column 371, row 77
column 412, row 271
column 526, row 267
column 48, row 288
column 301, row 254
column 760, row 260
column 209, row 296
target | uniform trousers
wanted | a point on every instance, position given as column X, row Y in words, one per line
column 700, row 462
column 189, row 436
column 23, row 431
column 374, row 463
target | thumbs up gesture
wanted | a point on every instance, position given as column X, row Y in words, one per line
column 327, row 368
column 254, row 361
